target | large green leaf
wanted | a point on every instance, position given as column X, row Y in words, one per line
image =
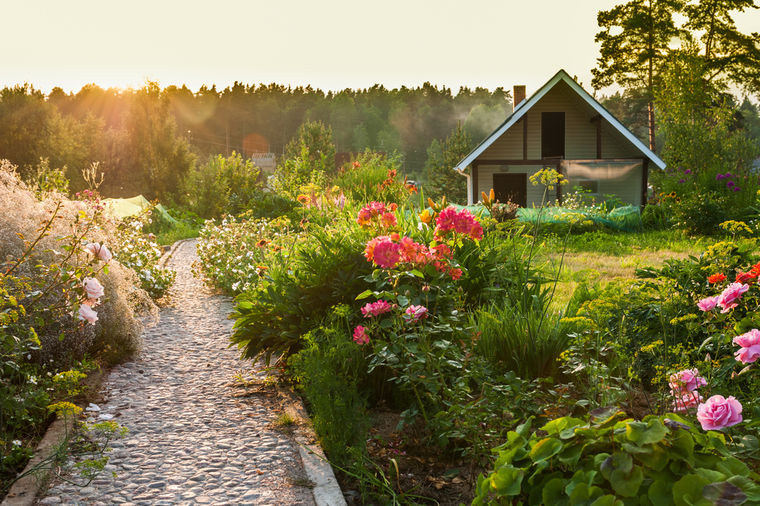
column 724, row 494
column 688, row 491
column 507, row 481
column 627, row 484
column 545, row 449
column 660, row 493
column 643, row 433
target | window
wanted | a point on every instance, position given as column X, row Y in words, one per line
column 552, row 134
column 588, row 185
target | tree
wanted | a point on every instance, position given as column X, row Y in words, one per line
column 442, row 158
column 726, row 51
column 317, row 139
column 635, row 40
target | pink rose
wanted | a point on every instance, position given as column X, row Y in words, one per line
column 687, row 380
column 685, row 401
column 99, row 250
column 376, row 308
column 718, row 412
column 416, row 313
column 87, row 313
column 360, row 335
column 93, row 288
column 708, row 303
column 386, row 254
column 733, row 292
column 750, row 347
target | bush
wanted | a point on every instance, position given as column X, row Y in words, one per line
column 228, row 185
column 373, row 177
column 610, row 460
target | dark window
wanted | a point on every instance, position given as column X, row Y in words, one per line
column 511, row 188
column 552, row 134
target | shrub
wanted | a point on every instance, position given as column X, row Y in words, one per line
column 374, row 177
column 228, row 185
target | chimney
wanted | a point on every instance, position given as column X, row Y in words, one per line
column 518, row 95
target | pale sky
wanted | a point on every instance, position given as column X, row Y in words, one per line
column 330, row 44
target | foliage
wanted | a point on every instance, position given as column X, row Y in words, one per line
column 709, row 177
column 45, row 179
column 313, row 142
column 329, row 370
column 373, row 176
column 222, row 185
column 442, row 157
column 612, row 460
column 141, row 253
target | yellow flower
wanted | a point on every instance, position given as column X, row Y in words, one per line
column 303, row 199
column 425, row 216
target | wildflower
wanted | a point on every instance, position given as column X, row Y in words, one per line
column 681, row 180
column 87, row 313
column 718, row 412
column 750, row 346
column 687, row 380
column 727, row 299
column 730, row 184
column 687, row 171
column 360, row 335
column 708, row 303
column 93, row 288
column 357, row 165
column 425, row 216
column 303, row 199
column 719, row 176
column 16, row 442
column 716, row 278
column 376, row 308
column 261, row 243
column 413, row 314
column 736, row 189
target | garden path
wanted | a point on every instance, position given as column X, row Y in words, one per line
column 193, row 438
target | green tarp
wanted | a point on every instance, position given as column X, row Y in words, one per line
column 626, row 218
column 123, row 208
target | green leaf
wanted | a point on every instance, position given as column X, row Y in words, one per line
column 688, row 491
column 749, row 486
column 364, row 295
column 618, row 461
column 642, row 433
column 607, row 500
column 571, row 454
column 560, row 424
column 415, row 272
column 657, row 459
column 507, row 481
column 553, row 492
column 660, row 493
column 402, row 300
column 545, row 449
column 627, row 484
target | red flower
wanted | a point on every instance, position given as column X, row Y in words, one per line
column 716, row 278
column 745, row 277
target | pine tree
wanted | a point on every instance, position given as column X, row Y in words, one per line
column 442, row 158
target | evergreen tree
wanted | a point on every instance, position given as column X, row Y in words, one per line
column 634, row 44
column 442, row 179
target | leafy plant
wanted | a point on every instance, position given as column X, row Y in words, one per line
column 610, row 460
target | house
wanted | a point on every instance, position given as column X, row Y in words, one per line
column 563, row 127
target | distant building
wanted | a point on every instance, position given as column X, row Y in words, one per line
column 563, row 127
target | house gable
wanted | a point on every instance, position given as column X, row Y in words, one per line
column 519, row 137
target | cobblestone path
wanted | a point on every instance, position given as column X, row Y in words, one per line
column 193, row 439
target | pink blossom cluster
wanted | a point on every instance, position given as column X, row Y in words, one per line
column 93, row 291
column 461, row 222
column 727, row 300
column 390, row 251
column 379, row 213
column 98, row 250
column 749, row 350
column 376, row 308
column 360, row 335
column 413, row 313
column 683, row 388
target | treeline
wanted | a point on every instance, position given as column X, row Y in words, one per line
column 147, row 140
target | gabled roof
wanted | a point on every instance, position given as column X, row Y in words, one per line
column 524, row 106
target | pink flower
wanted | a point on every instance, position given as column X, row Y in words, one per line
column 99, row 250
column 685, row 401
column 376, row 308
column 416, row 313
column 685, row 381
column 718, row 412
column 360, row 335
column 750, row 347
column 708, row 303
column 445, row 220
column 87, row 313
column 93, row 288
column 386, row 254
column 733, row 292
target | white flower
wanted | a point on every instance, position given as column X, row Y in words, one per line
column 16, row 442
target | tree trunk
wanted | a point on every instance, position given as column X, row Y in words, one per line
column 650, row 117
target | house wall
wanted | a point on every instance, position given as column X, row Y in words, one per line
column 620, row 178
column 534, row 193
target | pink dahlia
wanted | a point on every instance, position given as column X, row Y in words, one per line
column 360, row 335
column 376, row 308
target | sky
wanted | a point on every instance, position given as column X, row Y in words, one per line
column 329, row 44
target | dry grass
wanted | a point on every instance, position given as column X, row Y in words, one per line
column 600, row 269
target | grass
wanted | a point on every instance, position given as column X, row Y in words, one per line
column 182, row 230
